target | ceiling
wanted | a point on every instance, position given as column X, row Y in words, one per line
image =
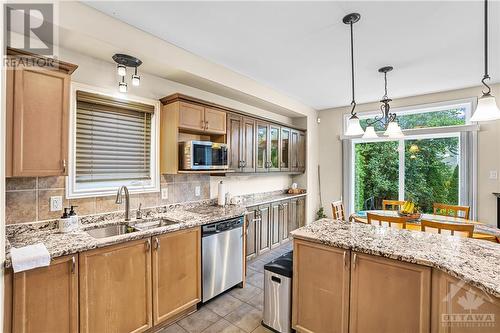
column 302, row 48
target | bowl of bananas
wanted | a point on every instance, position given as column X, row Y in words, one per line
column 410, row 211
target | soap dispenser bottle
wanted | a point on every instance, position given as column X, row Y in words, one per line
column 65, row 222
column 74, row 218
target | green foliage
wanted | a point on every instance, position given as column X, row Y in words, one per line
column 320, row 214
column 431, row 165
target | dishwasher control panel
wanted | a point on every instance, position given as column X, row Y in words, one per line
column 221, row 226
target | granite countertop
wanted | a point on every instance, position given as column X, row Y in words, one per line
column 268, row 198
column 59, row 244
column 473, row 261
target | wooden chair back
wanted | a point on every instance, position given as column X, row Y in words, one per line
column 462, row 229
column 391, row 221
column 451, row 210
column 338, row 211
column 393, row 204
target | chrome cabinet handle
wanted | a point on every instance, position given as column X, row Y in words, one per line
column 203, row 124
column 354, row 261
column 64, row 165
column 73, row 265
column 157, row 243
column 244, row 163
column 148, row 244
column 206, row 124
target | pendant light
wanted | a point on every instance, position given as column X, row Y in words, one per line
column 123, row 61
column 487, row 108
column 353, row 125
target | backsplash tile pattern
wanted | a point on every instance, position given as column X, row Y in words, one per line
column 27, row 199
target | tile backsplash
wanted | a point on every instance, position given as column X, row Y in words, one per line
column 28, row 199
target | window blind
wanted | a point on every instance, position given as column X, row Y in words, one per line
column 113, row 139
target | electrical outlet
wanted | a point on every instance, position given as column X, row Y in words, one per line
column 164, row 193
column 56, row 203
column 493, row 174
column 197, row 191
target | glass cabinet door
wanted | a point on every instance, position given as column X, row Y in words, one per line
column 274, row 149
column 262, row 142
column 285, row 149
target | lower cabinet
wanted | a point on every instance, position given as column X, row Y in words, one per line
column 320, row 288
column 115, row 288
column 275, row 224
column 251, row 234
column 388, row 295
column 336, row 290
column 46, row 299
column 176, row 273
column 263, row 229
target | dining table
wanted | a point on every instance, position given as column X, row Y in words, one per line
column 481, row 230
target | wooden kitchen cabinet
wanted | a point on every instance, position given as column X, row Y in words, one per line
column 115, row 288
column 388, row 295
column 264, row 229
column 176, row 273
column 274, row 148
column 46, row 299
column 37, row 107
column 298, row 151
column 198, row 118
column 320, row 288
column 252, row 236
column 248, row 143
column 275, row 224
column 285, row 142
column 262, row 147
column 241, row 140
column 284, row 220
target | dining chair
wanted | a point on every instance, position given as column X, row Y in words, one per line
column 451, row 210
column 338, row 211
column 462, row 229
column 393, row 204
column 399, row 222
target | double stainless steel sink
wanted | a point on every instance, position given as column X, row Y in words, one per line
column 125, row 228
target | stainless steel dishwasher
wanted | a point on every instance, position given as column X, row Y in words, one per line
column 222, row 256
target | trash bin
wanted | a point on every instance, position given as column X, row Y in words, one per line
column 278, row 294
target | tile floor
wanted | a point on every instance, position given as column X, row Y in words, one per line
column 236, row 311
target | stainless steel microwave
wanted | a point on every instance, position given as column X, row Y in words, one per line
column 203, row 155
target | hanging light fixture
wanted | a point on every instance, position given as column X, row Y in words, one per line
column 353, row 126
column 388, row 119
column 124, row 61
column 487, row 108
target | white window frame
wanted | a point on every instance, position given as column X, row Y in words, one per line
column 432, row 132
column 110, row 188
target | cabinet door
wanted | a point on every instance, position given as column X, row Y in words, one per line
column 191, row 116
column 301, row 212
column 285, row 149
column 262, row 147
column 264, row 220
column 388, row 295
column 234, row 140
column 275, row 224
column 294, row 151
column 320, row 288
column 251, row 234
column 215, row 121
column 274, row 148
column 115, row 288
column 176, row 273
column 46, row 299
column 284, row 218
column 248, row 145
column 293, row 222
column 40, row 109
column 301, row 153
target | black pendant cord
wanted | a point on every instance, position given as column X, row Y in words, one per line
column 353, row 102
column 486, row 76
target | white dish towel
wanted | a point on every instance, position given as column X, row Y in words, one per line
column 29, row 257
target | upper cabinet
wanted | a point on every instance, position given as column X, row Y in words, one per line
column 255, row 145
column 37, row 107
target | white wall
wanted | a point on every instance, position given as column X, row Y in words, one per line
column 330, row 151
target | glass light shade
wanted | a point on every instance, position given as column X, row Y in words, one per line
column 392, row 128
column 122, row 70
column 395, row 132
column 370, row 133
column 353, row 127
column 487, row 109
column 122, row 87
column 136, row 80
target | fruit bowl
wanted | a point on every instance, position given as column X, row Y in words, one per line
column 410, row 216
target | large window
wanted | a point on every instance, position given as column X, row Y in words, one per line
column 113, row 145
column 432, row 163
